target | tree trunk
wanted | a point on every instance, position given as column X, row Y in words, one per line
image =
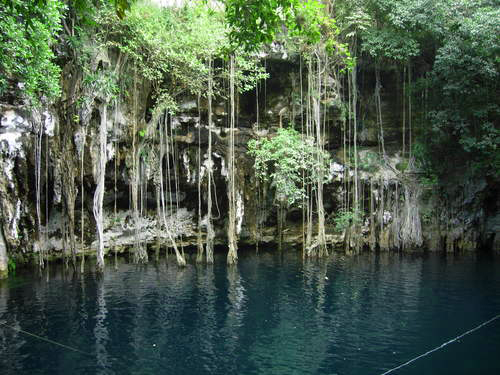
column 210, row 230
column 322, row 249
column 99, row 192
column 232, row 255
column 199, row 239
column 82, row 227
column 378, row 86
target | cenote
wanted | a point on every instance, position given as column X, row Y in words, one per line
column 272, row 313
column 364, row 133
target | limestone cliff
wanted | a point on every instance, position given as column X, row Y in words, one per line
column 49, row 158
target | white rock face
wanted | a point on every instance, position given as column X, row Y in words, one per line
column 387, row 217
column 3, row 257
column 190, row 178
column 14, row 127
column 336, row 172
column 49, row 123
column 223, row 171
column 189, row 105
column 15, row 220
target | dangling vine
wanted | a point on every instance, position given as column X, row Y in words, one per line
column 232, row 256
column 210, row 231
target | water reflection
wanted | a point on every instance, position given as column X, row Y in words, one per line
column 207, row 328
column 271, row 314
column 8, row 336
column 100, row 331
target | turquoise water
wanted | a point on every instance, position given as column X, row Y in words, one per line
column 272, row 314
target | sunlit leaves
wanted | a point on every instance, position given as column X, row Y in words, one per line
column 289, row 161
column 347, row 218
column 256, row 22
column 170, row 48
column 29, row 30
column 121, row 6
column 389, row 44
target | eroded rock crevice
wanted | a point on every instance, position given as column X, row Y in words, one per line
column 146, row 164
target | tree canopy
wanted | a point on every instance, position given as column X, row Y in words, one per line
column 29, row 32
column 451, row 48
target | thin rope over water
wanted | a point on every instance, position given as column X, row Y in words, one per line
column 117, row 360
column 442, row 345
column 385, row 373
column 46, row 340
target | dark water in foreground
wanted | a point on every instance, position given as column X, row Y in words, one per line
column 271, row 315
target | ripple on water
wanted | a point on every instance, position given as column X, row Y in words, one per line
column 272, row 314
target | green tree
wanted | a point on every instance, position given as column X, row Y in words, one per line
column 171, row 46
column 256, row 22
column 464, row 105
column 285, row 160
column 29, row 30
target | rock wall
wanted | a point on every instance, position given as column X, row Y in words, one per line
column 41, row 156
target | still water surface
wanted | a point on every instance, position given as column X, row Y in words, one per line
column 272, row 314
